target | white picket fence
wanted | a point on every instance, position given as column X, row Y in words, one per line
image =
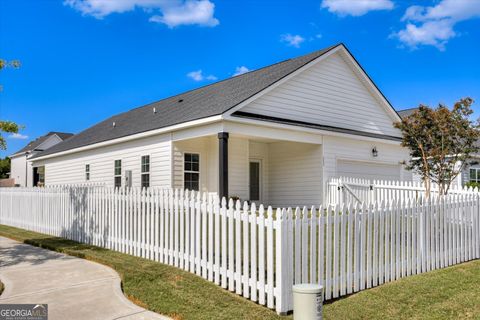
column 350, row 190
column 258, row 252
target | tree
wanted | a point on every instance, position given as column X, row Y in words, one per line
column 12, row 63
column 4, row 167
column 7, row 126
column 440, row 141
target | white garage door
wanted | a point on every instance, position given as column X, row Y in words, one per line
column 368, row 170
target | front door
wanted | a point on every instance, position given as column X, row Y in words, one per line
column 255, row 181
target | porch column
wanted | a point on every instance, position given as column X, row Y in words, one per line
column 223, row 164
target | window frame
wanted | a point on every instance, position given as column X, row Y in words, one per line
column 477, row 175
column 145, row 171
column 87, row 172
column 191, row 171
column 115, row 175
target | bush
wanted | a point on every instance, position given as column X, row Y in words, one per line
column 472, row 184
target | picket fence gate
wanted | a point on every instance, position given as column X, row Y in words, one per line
column 346, row 190
column 258, row 252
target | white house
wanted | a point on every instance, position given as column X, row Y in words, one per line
column 273, row 135
column 21, row 170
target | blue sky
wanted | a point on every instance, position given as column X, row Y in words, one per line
column 85, row 60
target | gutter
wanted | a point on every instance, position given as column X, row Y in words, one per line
column 132, row 137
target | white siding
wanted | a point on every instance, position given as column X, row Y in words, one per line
column 238, row 155
column 70, row 169
column 295, row 174
column 18, row 169
column 337, row 149
column 328, row 93
column 203, row 146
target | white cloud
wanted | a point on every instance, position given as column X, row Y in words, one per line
column 191, row 12
column 199, row 76
column 435, row 25
column 18, row 136
column 356, row 7
column 211, row 77
column 434, row 33
column 292, row 40
column 240, row 70
column 170, row 12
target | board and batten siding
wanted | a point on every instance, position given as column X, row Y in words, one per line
column 328, row 93
column 295, row 174
column 70, row 169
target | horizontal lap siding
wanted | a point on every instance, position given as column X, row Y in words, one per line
column 295, row 174
column 70, row 169
column 202, row 146
column 329, row 93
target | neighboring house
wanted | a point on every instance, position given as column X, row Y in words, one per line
column 274, row 135
column 406, row 112
column 471, row 170
column 21, row 170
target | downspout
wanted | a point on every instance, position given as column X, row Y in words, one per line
column 26, row 168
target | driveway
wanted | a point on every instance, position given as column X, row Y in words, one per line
column 73, row 288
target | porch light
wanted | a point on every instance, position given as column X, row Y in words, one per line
column 374, row 152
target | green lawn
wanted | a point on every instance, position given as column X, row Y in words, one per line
column 451, row 293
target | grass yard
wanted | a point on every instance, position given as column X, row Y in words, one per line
column 451, row 293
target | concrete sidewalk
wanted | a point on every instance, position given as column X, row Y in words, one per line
column 73, row 288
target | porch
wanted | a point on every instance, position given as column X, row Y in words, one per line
column 262, row 169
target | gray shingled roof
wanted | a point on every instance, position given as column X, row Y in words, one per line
column 207, row 101
column 406, row 112
column 35, row 143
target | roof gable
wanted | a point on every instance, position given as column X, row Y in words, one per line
column 41, row 142
column 332, row 91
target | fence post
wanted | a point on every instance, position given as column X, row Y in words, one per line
column 284, row 279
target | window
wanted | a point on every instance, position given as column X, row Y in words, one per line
column 87, row 172
column 145, row 171
column 118, row 174
column 191, row 175
column 475, row 175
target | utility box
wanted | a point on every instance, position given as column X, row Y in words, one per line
column 307, row 302
column 128, row 178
